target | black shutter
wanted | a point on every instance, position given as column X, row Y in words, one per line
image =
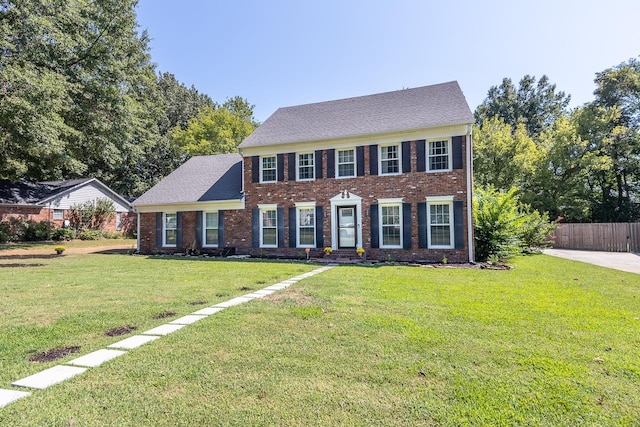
column 318, row 163
column 421, row 156
column 179, row 230
column 373, row 159
column 280, row 167
column 406, row 225
column 221, row 229
column 199, row 216
column 331, row 163
column 292, row 167
column 375, row 232
column 255, row 169
column 280, row 213
column 292, row 227
column 159, row 229
column 458, row 224
column 422, row 225
column 456, row 152
column 406, row 157
column 255, row 227
column 360, row 160
column 319, row 230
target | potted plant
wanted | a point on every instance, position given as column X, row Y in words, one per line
column 59, row 249
column 360, row 251
column 327, row 251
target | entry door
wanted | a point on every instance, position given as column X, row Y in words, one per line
column 346, row 227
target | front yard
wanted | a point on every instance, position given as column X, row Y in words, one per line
column 552, row 342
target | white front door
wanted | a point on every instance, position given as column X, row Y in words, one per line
column 346, row 227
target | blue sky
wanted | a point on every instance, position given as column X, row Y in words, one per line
column 282, row 53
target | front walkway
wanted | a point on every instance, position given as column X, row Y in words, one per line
column 623, row 261
column 70, row 369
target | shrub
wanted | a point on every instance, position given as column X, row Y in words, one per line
column 60, row 234
column 112, row 235
column 92, row 214
column 14, row 229
column 38, row 231
column 88, row 234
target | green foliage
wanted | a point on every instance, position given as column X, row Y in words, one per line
column 91, row 215
column 60, row 234
column 39, row 231
column 22, row 229
column 89, row 234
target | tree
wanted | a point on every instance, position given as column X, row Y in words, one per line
column 181, row 104
column 536, row 106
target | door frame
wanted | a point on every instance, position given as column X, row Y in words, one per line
column 355, row 226
column 344, row 198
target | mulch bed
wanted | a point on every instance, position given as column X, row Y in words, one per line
column 120, row 330
column 54, row 354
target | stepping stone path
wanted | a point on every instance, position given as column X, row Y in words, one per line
column 70, row 369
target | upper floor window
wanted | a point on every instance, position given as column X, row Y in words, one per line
column 268, row 228
column 389, row 159
column 170, row 229
column 210, row 229
column 307, row 226
column 268, row 169
column 346, row 163
column 439, row 155
column 306, row 166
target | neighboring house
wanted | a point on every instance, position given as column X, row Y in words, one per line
column 390, row 173
column 51, row 200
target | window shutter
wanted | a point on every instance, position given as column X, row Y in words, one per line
column 375, row 232
column 319, row 230
column 255, row 227
column 255, row 168
column 421, row 156
column 422, row 225
column 331, row 163
column 456, row 152
column 280, row 213
column 179, row 230
column 406, row 225
column 292, row 166
column 458, row 224
column 318, row 162
column 159, row 229
column 406, row 157
column 199, row 228
column 221, row 243
column 373, row 159
column 292, row 228
column 360, row 161
column 280, row 166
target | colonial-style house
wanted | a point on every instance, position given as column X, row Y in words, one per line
column 389, row 173
column 51, row 200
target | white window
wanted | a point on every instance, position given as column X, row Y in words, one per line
column 346, row 163
column 306, row 167
column 306, row 225
column 439, row 155
column 169, row 229
column 390, row 223
column 440, row 223
column 210, row 229
column 390, row 160
column 268, row 169
column 118, row 221
column 58, row 214
column 268, row 228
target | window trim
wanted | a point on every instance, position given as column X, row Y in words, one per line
column 312, row 166
column 449, row 155
column 398, row 158
column 54, row 217
column 382, row 203
column 299, row 207
column 435, row 201
column 204, row 228
column 264, row 208
column 164, row 229
column 355, row 163
column 262, row 169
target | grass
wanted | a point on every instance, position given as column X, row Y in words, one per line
column 552, row 342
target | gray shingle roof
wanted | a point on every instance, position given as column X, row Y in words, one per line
column 199, row 179
column 408, row 109
column 31, row 193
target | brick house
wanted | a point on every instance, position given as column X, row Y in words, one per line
column 390, row 173
column 51, row 200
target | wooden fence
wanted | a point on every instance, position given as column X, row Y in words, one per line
column 610, row 237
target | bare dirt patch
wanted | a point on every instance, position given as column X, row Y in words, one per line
column 291, row 296
column 18, row 265
column 197, row 302
column 164, row 315
column 54, row 354
column 120, row 330
column 245, row 288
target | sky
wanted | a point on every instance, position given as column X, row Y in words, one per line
column 282, row 53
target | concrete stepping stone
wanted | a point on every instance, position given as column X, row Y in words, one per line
column 208, row 311
column 186, row 320
column 9, row 396
column 255, row 295
column 49, row 377
column 233, row 301
column 163, row 329
column 96, row 358
column 134, row 341
column 264, row 292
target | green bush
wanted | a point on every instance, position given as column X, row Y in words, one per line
column 60, row 234
column 88, row 234
column 13, row 229
column 38, row 231
column 112, row 235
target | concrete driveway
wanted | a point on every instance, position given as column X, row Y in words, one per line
column 617, row 260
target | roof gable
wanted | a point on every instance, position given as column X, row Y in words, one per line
column 408, row 109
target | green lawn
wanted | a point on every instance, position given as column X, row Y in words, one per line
column 552, row 342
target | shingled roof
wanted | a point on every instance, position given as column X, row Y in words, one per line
column 407, row 109
column 199, row 179
column 33, row 193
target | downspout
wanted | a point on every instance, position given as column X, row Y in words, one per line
column 138, row 232
column 470, row 193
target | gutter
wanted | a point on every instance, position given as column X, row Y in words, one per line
column 470, row 193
